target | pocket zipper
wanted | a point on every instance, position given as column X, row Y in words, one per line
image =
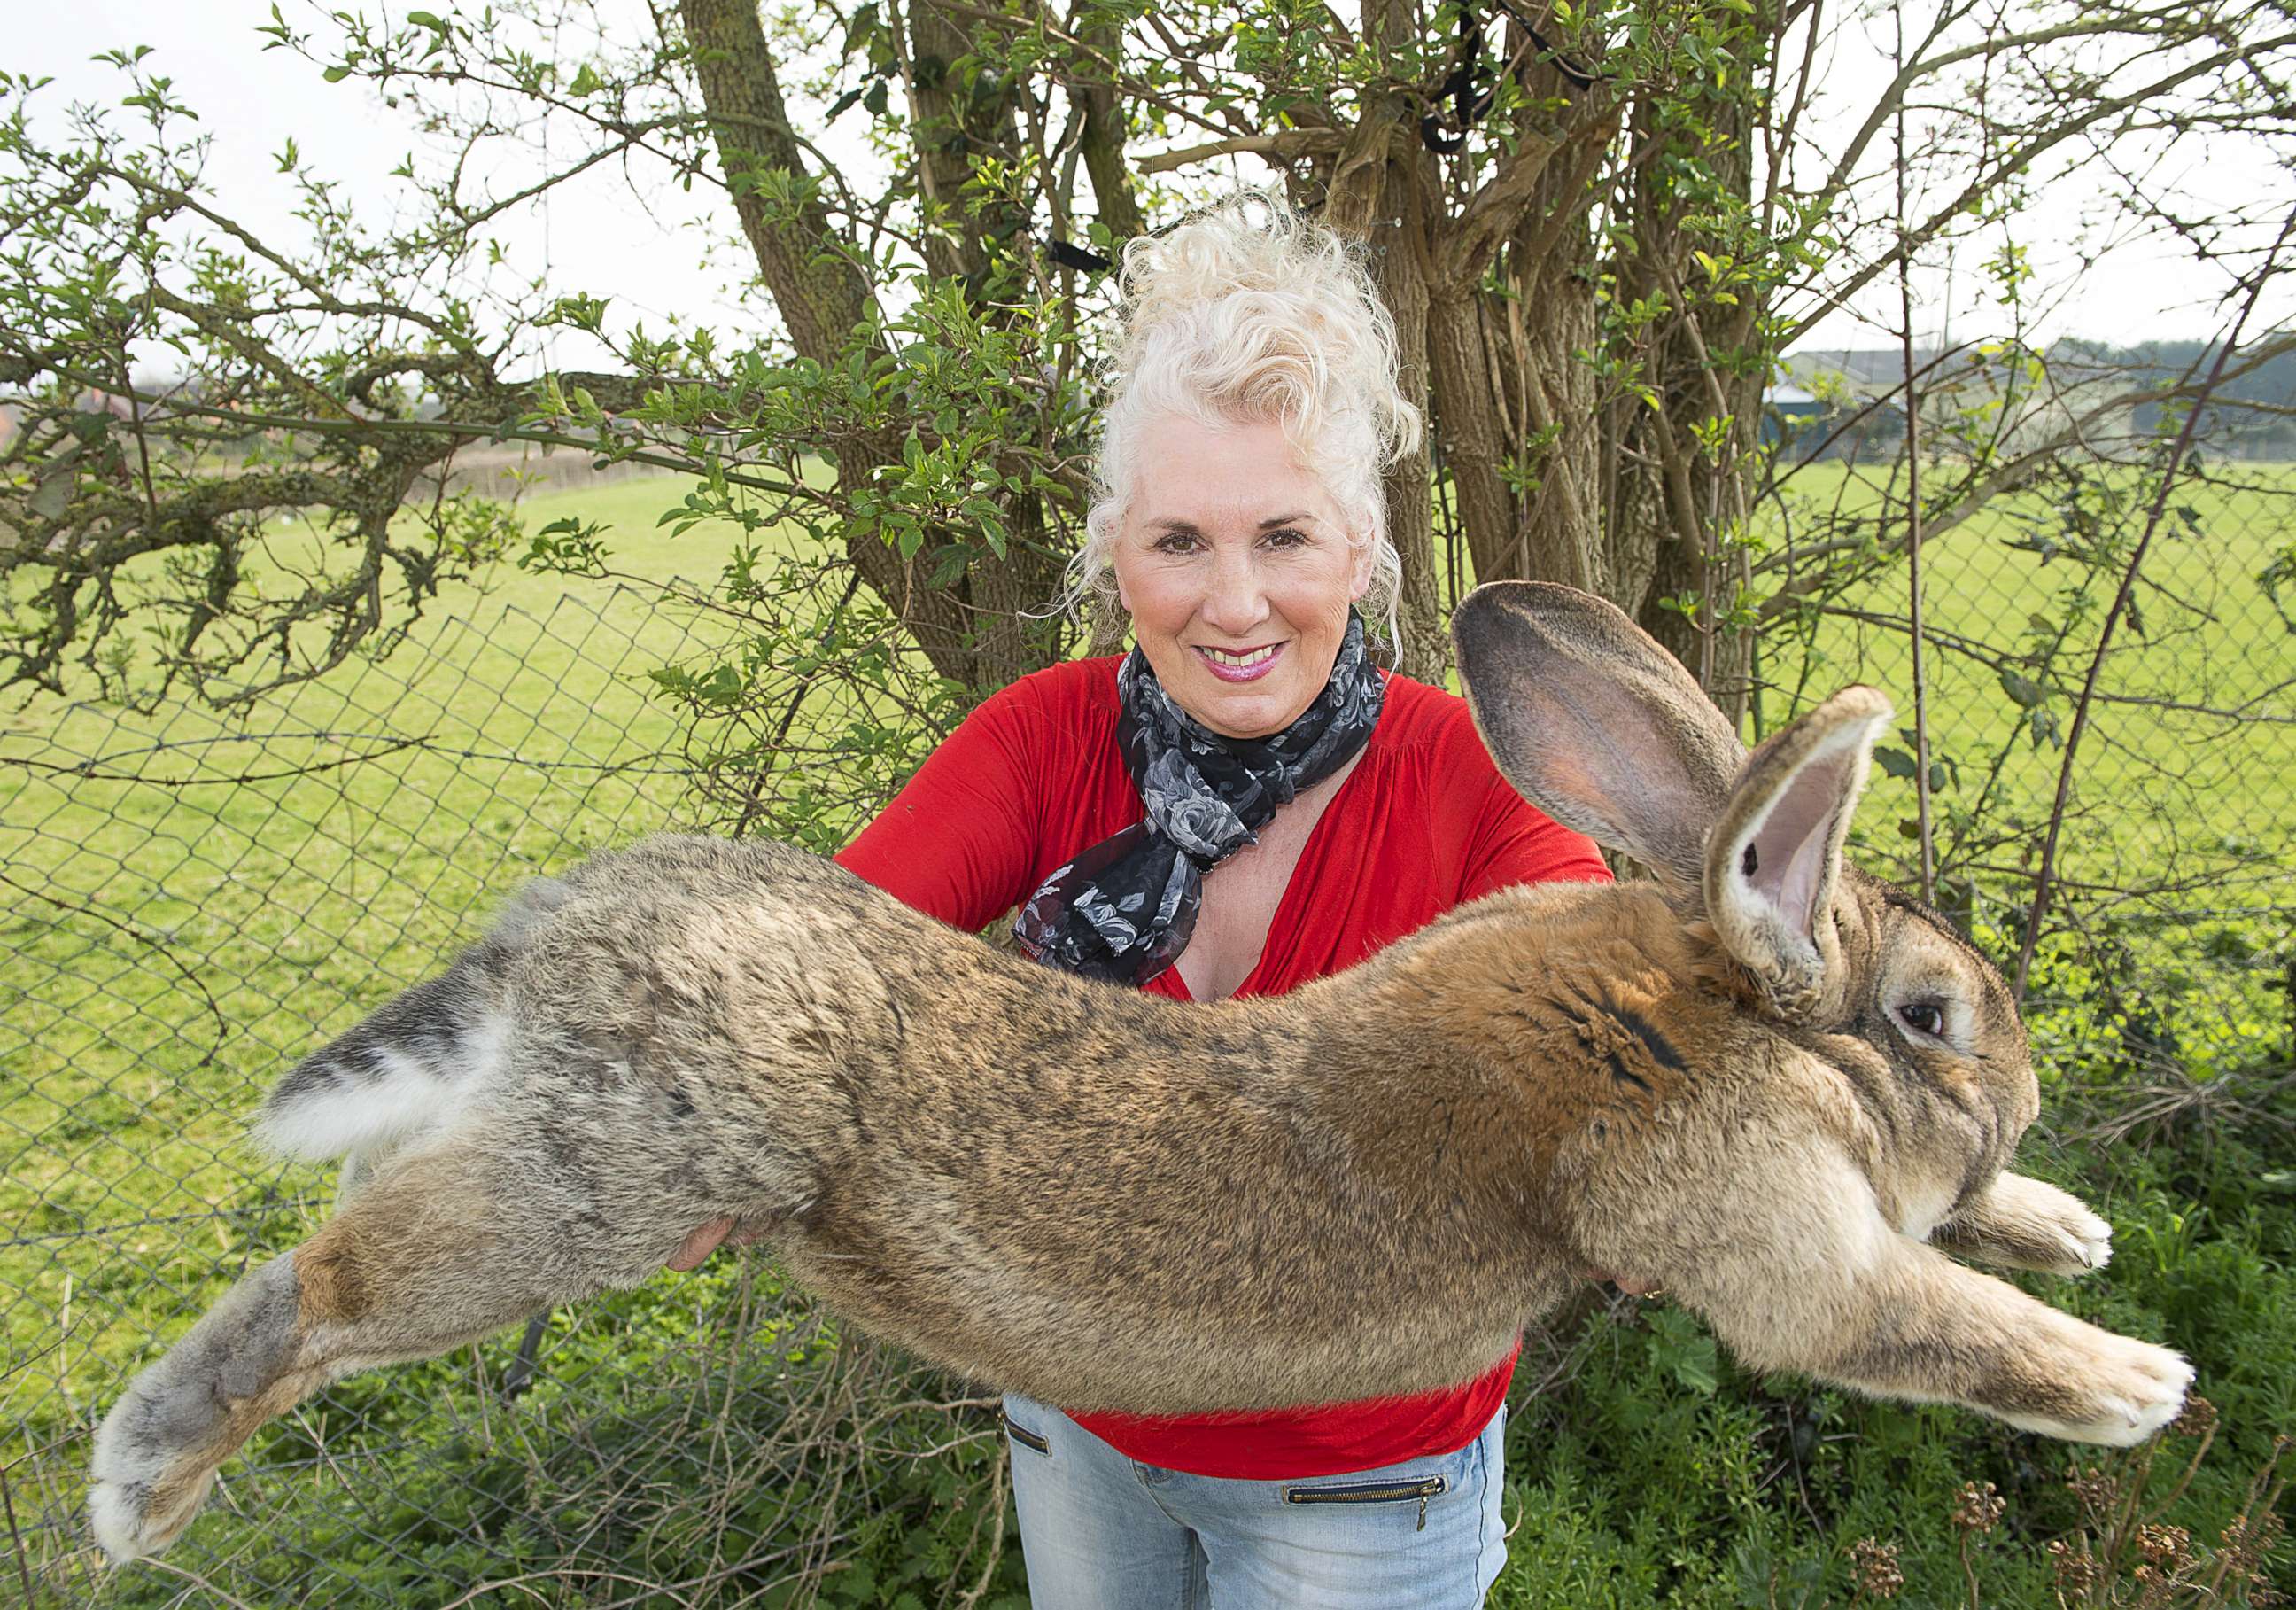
column 1373, row 1492
column 1025, row 1437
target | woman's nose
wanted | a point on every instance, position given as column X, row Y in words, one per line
column 1235, row 601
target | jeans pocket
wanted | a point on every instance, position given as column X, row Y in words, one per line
column 1402, row 1489
column 1023, row 1437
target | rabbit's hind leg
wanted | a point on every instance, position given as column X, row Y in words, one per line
column 421, row 1262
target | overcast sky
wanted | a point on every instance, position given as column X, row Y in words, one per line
column 645, row 251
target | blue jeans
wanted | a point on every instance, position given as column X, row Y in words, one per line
column 1101, row 1531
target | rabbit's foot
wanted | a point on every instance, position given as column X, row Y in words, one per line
column 2023, row 1223
column 130, row 1523
column 2127, row 1391
column 156, row 1452
column 156, row 1456
column 2068, row 1239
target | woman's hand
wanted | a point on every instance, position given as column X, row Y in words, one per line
column 703, row 1240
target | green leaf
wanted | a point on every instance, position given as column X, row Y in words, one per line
column 52, row 497
column 1695, row 1366
column 949, row 563
column 1897, row 762
column 426, row 20
column 336, row 74
column 1684, row 1352
column 2022, row 691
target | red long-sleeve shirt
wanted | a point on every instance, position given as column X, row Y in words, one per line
column 1423, row 822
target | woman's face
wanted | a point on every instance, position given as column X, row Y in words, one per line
column 1236, row 571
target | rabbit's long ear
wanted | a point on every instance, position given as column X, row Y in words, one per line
column 1775, row 855
column 1594, row 723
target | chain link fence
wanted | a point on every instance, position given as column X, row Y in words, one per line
column 193, row 903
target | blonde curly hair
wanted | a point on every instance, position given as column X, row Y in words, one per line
column 1247, row 311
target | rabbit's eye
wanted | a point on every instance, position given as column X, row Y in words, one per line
column 1923, row 1017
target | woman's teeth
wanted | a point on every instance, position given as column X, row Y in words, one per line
column 1220, row 656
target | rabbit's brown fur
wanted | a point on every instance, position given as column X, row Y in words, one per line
column 1110, row 1201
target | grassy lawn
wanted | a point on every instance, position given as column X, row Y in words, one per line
column 2204, row 633
column 2181, row 824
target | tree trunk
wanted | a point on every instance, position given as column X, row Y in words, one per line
column 1555, row 324
column 1382, row 191
column 1100, row 140
column 1516, row 396
column 979, row 633
column 1424, row 651
column 1679, row 495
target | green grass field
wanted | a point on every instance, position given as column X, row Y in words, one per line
column 2181, row 821
column 182, row 923
column 2204, row 634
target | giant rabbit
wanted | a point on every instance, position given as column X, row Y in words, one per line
column 1767, row 1080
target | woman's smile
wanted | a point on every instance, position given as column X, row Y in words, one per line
column 1240, row 665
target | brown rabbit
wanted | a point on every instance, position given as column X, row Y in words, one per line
column 1765, row 1082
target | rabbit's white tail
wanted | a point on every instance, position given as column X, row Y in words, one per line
column 408, row 1069
column 405, row 1071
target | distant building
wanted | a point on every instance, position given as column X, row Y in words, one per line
column 1789, row 413
column 1835, row 405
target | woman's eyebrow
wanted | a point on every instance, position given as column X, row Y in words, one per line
column 1173, row 524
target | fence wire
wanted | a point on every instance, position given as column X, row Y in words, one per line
column 193, row 903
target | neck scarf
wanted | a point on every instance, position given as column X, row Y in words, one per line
column 1125, row 907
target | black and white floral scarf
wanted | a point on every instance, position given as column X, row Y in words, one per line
column 1125, row 907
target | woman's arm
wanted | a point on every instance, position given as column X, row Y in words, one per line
column 959, row 841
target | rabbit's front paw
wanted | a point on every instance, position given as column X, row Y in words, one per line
column 2025, row 1223
column 2084, row 1241
column 2128, row 1389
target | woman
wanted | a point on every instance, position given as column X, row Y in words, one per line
column 1301, row 812
column 1312, row 811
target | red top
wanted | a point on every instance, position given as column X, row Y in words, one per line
column 1422, row 824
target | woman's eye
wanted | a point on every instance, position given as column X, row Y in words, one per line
column 1923, row 1017
column 1176, row 543
column 1286, row 537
